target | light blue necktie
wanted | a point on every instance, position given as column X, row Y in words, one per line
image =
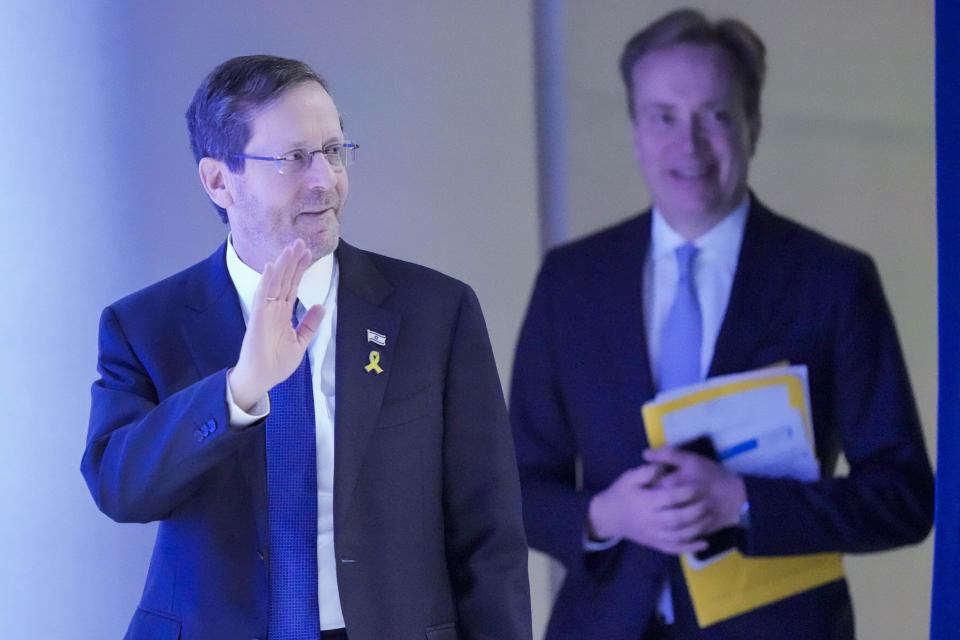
column 680, row 341
column 292, row 507
column 682, row 334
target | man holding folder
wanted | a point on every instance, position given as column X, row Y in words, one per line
column 705, row 283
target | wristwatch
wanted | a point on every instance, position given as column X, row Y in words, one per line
column 744, row 520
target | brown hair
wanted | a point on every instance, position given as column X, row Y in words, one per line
column 689, row 26
column 219, row 116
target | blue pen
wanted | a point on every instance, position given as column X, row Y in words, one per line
column 769, row 437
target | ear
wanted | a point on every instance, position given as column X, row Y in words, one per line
column 213, row 176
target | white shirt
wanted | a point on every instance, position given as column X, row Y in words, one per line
column 714, row 269
column 318, row 286
column 713, row 272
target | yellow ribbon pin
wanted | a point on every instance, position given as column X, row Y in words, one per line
column 374, row 363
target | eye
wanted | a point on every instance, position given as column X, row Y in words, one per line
column 293, row 161
column 660, row 119
column 718, row 116
column 334, row 153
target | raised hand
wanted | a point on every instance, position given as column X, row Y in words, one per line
column 272, row 349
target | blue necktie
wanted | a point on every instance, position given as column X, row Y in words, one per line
column 680, row 341
column 682, row 332
column 292, row 507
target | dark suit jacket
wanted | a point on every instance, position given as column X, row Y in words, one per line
column 581, row 374
column 427, row 525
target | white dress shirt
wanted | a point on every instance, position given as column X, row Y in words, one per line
column 318, row 286
column 714, row 269
column 713, row 272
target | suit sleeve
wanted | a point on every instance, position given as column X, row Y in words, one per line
column 554, row 508
column 486, row 546
column 144, row 454
column 886, row 499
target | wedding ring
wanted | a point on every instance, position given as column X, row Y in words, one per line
column 271, row 299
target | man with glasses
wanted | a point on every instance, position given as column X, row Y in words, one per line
column 319, row 430
column 707, row 282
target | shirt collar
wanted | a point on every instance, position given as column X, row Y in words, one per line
column 722, row 241
column 314, row 286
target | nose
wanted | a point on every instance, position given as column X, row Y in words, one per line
column 691, row 133
column 320, row 174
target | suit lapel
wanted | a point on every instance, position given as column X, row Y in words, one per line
column 626, row 317
column 762, row 280
column 613, row 311
column 213, row 329
column 359, row 386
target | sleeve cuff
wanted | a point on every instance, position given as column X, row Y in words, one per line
column 240, row 419
column 591, row 544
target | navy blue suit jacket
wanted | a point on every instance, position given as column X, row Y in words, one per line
column 427, row 526
column 581, row 374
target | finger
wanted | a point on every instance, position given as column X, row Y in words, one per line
column 687, row 521
column 285, row 267
column 681, row 526
column 303, row 262
column 263, row 290
column 663, row 472
column 676, row 496
column 292, row 256
column 698, row 471
column 300, row 260
column 676, row 545
column 689, row 475
column 641, row 476
column 681, row 543
column 669, row 455
column 309, row 323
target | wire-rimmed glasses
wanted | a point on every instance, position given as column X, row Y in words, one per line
column 338, row 155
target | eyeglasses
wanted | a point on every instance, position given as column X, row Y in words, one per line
column 338, row 155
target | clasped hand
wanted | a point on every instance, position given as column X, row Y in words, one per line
column 670, row 503
column 272, row 349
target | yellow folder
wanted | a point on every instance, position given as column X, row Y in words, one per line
column 735, row 584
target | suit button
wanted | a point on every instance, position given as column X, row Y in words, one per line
column 213, row 425
column 198, row 436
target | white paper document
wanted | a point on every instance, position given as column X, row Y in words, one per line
column 760, row 424
column 754, row 427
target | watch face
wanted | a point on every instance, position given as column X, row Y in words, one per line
column 744, row 520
